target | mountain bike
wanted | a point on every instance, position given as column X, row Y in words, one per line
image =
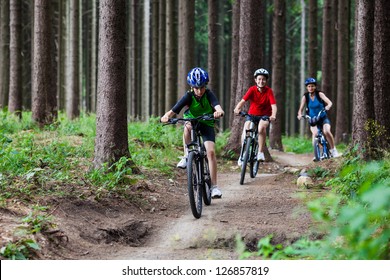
column 250, row 146
column 321, row 145
column 198, row 172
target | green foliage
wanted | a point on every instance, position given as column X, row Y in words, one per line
column 25, row 246
column 297, row 145
column 36, row 222
column 353, row 226
column 318, row 172
column 20, row 250
column 114, row 179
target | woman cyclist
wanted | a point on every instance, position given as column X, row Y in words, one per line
column 199, row 101
column 316, row 101
column 262, row 103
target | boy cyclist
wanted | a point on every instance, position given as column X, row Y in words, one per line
column 262, row 103
column 199, row 101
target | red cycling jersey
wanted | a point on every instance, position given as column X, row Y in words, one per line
column 260, row 102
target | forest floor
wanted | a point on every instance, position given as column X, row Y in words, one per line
column 159, row 223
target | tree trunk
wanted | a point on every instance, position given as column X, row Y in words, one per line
column 171, row 57
column 73, row 90
column 161, row 58
column 111, row 141
column 145, row 85
column 382, row 74
column 94, row 25
column 302, row 125
column 251, row 53
column 44, row 102
column 363, row 111
column 326, row 81
column 342, row 72
column 186, row 42
column 313, row 45
column 15, row 84
column 235, row 55
column 4, row 53
column 155, row 58
column 278, row 72
column 213, row 46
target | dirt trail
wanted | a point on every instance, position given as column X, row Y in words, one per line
column 263, row 205
column 157, row 222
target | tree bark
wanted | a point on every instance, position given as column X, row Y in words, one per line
column 235, row 55
column 44, row 102
column 15, row 84
column 111, row 141
column 186, row 42
column 213, row 46
column 342, row 72
column 73, row 90
column 161, row 58
column 382, row 74
column 313, row 45
column 278, row 71
column 155, row 58
column 251, row 53
column 363, row 111
column 171, row 57
column 4, row 53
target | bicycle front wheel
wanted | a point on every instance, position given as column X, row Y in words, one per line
column 325, row 149
column 194, row 185
column 254, row 165
column 317, row 150
column 206, row 183
column 247, row 153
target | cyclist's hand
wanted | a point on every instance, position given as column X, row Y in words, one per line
column 236, row 111
column 299, row 116
column 272, row 118
column 327, row 108
column 218, row 114
column 164, row 119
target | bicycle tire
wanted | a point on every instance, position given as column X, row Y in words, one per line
column 325, row 149
column 206, row 183
column 193, row 185
column 317, row 150
column 247, row 150
column 254, row 163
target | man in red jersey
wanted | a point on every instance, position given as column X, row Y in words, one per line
column 262, row 103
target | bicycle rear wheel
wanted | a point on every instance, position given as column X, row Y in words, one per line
column 254, row 164
column 206, row 183
column 193, row 185
column 247, row 152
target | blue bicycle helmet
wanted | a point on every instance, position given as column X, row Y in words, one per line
column 310, row 81
column 261, row 71
column 197, row 77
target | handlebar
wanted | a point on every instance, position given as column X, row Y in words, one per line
column 209, row 117
column 318, row 115
column 244, row 114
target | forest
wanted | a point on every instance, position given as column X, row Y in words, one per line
column 53, row 58
column 127, row 61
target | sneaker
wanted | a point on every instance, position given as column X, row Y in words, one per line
column 215, row 192
column 182, row 163
column 260, row 156
column 239, row 162
column 334, row 152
